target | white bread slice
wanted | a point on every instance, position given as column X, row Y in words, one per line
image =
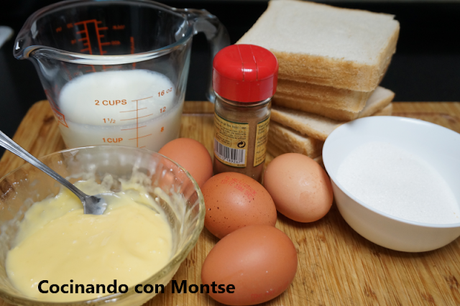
column 314, row 108
column 326, row 45
column 386, row 111
column 291, row 141
column 288, row 140
column 279, row 145
column 320, row 127
column 328, row 111
column 307, row 93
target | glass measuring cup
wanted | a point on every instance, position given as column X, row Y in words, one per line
column 115, row 71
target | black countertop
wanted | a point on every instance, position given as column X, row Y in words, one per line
column 426, row 66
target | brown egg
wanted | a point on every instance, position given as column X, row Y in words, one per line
column 191, row 155
column 300, row 187
column 257, row 262
column 234, row 200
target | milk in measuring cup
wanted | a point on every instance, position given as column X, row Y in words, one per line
column 133, row 107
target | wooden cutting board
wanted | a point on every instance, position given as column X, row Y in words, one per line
column 336, row 266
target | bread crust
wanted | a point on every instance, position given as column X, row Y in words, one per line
column 292, row 141
column 379, row 98
column 335, row 97
column 277, row 146
column 320, row 127
column 314, row 108
column 334, row 72
column 315, row 67
column 386, row 111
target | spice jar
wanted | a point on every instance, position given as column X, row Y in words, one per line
column 244, row 81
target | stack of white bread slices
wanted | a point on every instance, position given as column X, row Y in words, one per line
column 331, row 62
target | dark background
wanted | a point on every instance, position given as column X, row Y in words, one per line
column 426, row 66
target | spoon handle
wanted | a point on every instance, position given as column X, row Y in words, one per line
column 14, row 148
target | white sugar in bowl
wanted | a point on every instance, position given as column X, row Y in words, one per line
column 396, row 181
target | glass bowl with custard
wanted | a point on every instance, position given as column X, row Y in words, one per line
column 51, row 253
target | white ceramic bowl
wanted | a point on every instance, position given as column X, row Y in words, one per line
column 437, row 145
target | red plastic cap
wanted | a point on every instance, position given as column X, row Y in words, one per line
column 245, row 73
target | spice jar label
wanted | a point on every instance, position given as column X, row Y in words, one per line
column 261, row 142
column 230, row 142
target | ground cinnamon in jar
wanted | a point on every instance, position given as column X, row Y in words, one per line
column 244, row 81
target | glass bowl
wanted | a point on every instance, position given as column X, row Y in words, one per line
column 26, row 185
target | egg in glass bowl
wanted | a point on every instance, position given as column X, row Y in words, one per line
column 396, row 181
column 154, row 184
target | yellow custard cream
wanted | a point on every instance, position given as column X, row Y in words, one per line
column 58, row 244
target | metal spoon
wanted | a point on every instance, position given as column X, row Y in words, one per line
column 94, row 205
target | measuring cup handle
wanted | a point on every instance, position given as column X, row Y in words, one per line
column 215, row 33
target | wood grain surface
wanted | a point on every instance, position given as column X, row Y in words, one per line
column 336, row 266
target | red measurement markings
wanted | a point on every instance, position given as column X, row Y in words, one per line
column 83, row 68
column 86, row 36
column 131, row 40
column 109, row 120
column 136, row 118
